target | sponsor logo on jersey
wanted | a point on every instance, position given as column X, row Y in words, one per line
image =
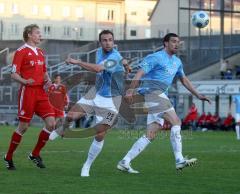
column 29, row 54
column 32, row 63
column 40, row 62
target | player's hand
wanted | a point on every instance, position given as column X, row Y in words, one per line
column 129, row 96
column 204, row 98
column 46, row 85
column 126, row 66
column 71, row 61
column 29, row 81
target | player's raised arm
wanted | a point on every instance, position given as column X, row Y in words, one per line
column 88, row 66
column 187, row 84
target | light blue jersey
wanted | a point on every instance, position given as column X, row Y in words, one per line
column 110, row 82
column 236, row 99
column 160, row 69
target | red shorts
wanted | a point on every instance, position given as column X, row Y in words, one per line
column 33, row 99
column 59, row 113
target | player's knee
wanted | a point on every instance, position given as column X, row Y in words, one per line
column 22, row 128
column 71, row 116
column 151, row 135
column 177, row 122
column 50, row 125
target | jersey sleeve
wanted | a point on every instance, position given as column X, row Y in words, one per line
column 17, row 62
column 180, row 71
column 148, row 63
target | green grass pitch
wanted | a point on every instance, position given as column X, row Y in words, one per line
column 217, row 171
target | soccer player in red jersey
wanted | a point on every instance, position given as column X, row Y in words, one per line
column 58, row 99
column 29, row 69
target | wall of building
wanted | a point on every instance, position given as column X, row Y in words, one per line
column 165, row 18
column 74, row 19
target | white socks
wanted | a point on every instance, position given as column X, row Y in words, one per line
column 238, row 131
column 137, row 148
column 176, row 141
column 94, row 151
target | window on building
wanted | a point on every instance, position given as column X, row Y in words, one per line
column 133, row 32
column 81, row 32
column 15, row 9
column 66, row 11
column 1, row 8
column 34, row 9
column 79, row 12
column 160, row 34
column 106, row 14
column 47, row 10
column 110, row 15
column 14, row 29
column 47, row 30
column 149, row 12
column 67, row 31
column 133, row 13
column 147, row 33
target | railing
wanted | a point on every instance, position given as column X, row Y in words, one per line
column 8, row 108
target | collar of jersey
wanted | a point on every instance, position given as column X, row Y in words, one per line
column 34, row 49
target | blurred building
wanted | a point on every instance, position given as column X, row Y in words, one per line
column 175, row 16
column 76, row 19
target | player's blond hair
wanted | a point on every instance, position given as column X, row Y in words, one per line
column 28, row 30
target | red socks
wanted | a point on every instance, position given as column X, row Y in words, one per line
column 42, row 140
column 16, row 139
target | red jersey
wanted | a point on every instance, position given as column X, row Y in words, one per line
column 58, row 96
column 29, row 62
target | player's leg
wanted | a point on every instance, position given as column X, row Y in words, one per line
column 76, row 112
column 106, row 115
column 14, row 142
column 44, row 110
column 42, row 140
column 26, row 101
column 237, row 127
column 154, row 124
column 176, row 139
column 95, row 148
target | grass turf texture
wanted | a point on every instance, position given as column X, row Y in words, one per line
column 216, row 172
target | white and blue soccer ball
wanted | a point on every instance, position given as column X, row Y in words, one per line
column 200, row 19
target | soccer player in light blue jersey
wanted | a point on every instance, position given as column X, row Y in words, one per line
column 236, row 99
column 104, row 99
column 156, row 74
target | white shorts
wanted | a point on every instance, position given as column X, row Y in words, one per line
column 163, row 105
column 105, row 108
column 237, row 117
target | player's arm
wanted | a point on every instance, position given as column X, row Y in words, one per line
column 88, row 66
column 19, row 79
column 134, row 84
column 16, row 66
column 126, row 66
column 187, row 84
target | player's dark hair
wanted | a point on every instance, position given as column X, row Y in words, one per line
column 55, row 76
column 105, row 32
column 168, row 36
column 28, row 30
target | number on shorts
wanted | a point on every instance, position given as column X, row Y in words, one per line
column 110, row 117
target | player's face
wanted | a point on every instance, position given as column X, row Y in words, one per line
column 172, row 45
column 107, row 42
column 35, row 36
column 57, row 80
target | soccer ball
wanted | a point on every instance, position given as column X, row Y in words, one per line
column 200, row 19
